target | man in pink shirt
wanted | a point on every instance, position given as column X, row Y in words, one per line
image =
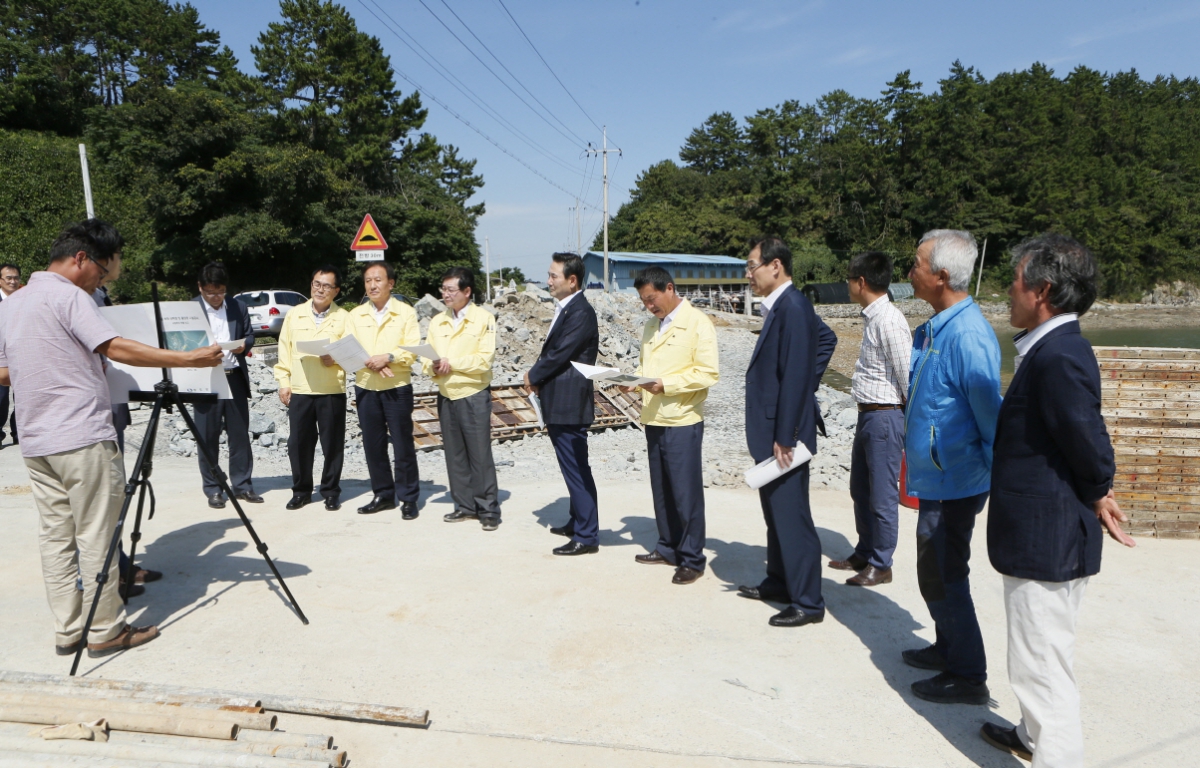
column 51, row 338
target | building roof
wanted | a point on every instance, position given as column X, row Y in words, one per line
column 668, row 258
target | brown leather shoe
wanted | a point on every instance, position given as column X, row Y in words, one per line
column 652, row 558
column 871, row 577
column 130, row 637
column 685, row 575
column 852, row 563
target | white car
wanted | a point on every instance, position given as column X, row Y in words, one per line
column 268, row 308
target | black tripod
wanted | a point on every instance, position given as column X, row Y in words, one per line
column 166, row 395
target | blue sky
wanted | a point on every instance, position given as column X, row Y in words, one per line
column 652, row 70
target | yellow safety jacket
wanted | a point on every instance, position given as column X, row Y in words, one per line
column 399, row 328
column 303, row 373
column 685, row 357
column 470, row 348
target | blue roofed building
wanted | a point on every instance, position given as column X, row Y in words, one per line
column 693, row 273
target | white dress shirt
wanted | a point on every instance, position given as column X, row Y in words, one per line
column 1025, row 340
column 456, row 316
column 769, row 301
column 218, row 320
column 881, row 373
column 380, row 314
column 558, row 309
column 662, row 324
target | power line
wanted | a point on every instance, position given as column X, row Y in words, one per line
column 493, row 73
column 465, row 90
column 468, row 123
column 510, row 72
column 543, row 58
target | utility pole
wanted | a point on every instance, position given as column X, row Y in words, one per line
column 87, row 182
column 982, row 253
column 487, row 266
column 603, row 152
column 578, row 231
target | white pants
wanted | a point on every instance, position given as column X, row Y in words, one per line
column 1041, row 654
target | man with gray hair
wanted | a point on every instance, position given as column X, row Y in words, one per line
column 1052, row 496
column 950, row 424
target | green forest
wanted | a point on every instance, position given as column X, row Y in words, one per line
column 195, row 160
column 1111, row 159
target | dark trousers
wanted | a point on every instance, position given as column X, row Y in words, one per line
column 234, row 416
column 385, row 416
column 467, row 439
column 311, row 417
column 875, row 484
column 571, row 448
column 943, row 551
column 677, row 485
column 793, row 549
column 5, row 401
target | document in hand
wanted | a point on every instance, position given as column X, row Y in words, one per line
column 312, row 347
column 229, row 346
column 611, row 375
column 423, row 350
column 536, row 402
column 766, row 471
column 348, row 353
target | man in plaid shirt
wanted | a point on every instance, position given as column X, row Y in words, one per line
column 880, row 378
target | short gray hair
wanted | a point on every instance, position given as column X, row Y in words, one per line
column 954, row 251
column 1064, row 264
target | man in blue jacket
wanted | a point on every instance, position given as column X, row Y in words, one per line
column 950, row 424
column 1051, row 496
column 781, row 410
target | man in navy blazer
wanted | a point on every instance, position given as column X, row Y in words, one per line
column 568, row 408
column 781, row 410
column 230, row 321
column 1052, row 500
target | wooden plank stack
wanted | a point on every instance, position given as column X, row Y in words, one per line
column 1152, row 408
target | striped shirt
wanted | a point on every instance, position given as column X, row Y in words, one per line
column 881, row 373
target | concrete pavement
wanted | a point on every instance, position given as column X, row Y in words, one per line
column 528, row 659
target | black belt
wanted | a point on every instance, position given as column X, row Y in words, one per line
column 868, row 407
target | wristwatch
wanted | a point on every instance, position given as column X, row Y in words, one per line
column 391, row 358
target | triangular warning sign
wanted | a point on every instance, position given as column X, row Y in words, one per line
column 369, row 238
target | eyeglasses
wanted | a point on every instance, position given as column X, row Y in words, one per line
column 450, row 291
column 212, row 294
column 751, row 266
column 103, row 269
column 322, row 287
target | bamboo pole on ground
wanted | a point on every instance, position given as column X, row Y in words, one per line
column 54, row 702
column 341, row 710
column 172, row 724
column 25, row 681
column 151, row 752
column 336, row 757
column 286, row 738
column 43, row 760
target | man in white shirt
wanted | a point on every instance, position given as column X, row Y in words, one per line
column 880, row 384
column 10, row 281
column 230, row 321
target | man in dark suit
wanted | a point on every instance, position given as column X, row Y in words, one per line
column 229, row 320
column 781, row 410
column 1052, row 499
column 566, row 395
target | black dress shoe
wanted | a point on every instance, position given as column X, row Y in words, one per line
column 757, row 593
column 793, row 617
column 928, row 657
column 68, row 650
column 652, row 558
column 949, row 688
column 409, row 511
column 249, row 496
column 491, row 524
column 217, row 501
column 299, row 500
column 332, row 503
column 685, row 575
column 1005, row 740
column 136, row 591
column 564, row 530
column 377, row 504
column 575, row 548
column 458, row 515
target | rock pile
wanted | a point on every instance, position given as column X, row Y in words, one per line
column 1177, row 294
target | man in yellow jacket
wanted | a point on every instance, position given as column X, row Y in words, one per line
column 383, row 391
column 679, row 351
column 313, row 389
column 464, row 336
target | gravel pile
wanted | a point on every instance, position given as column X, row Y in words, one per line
column 522, row 321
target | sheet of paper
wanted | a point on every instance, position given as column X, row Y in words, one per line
column 536, row 402
column 348, row 353
column 229, row 346
column 766, row 471
column 423, row 350
column 313, row 347
column 611, row 375
column 185, row 328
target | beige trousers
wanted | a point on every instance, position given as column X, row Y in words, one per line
column 79, row 495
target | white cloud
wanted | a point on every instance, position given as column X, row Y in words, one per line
column 1131, row 26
